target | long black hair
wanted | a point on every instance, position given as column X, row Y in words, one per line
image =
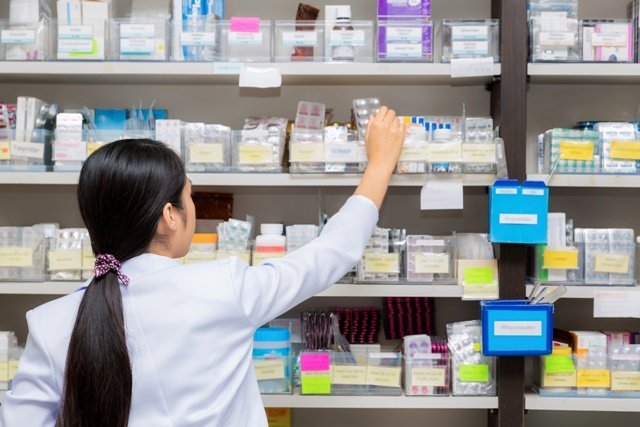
column 123, row 189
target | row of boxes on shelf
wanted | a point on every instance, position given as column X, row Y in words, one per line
column 10, row 354
column 557, row 35
column 592, row 364
column 432, row 366
column 249, row 40
column 609, row 148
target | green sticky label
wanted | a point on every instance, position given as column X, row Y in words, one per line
column 559, row 365
column 473, row 373
column 478, row 276
column 320, row 384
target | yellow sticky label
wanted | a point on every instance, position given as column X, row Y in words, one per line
column 306, row 153
column 383, row 376
column 432, row 263
column 625, row 150
column 278, row 417
column 572, row 150
column 16, row 257
column 559, row 380
column 255, row 155
column 269, row 369
column 88, row 260
column 206, row 153
column 608, row 263
column 566, row 260
column 245, row 256
column 93, row 146
column 445, row 152
column 428, row 377
column 65, row 260
column 625, row 381
column 198, row 257
column 4, row 371
column 479, row 153
column 5, row 150
column 594, row 378
column 13, row 368
column 381, row 263
column 477, row 347
column 349, row 375
column 260, row 257
column 414, row 152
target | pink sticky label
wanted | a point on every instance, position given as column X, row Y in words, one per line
column 315, row 362
column 245, row 25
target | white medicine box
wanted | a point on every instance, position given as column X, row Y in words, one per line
column 25, row 42
column 245, row 39
column 470, row 39
column 607, row 40
column 298, row 41
column 554, row 37
column 351, row 42
column 139, row 40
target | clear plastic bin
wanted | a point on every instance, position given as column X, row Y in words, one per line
column 479, row 149
column 342, row 150
column 65, row 254
column 257, row 150
column 349, row 375
column 609, row 255
column 431, row 259
column 25, row 42
column 414, row 155
column 299, row 41
column 384, row 374
column 470, row 39
column 607, row 40
column 405, row 40
column 273, row 374
column 566, row 149
column 81, row 42
column 352, row 42
column 139, row 40
column 69, row 152
column 593, row 376
column 198, row 40
column 32, row 154
column 558, row 374
column 245, row 40
column 615, row 139
column 22, row 254
column 554, row 37
column 427, row 374
column 624, row 362
column 207, row 148
column 445, row 156
column 306, row 152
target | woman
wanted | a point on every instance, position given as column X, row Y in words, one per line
column 152, row 343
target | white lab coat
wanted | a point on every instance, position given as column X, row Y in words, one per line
column 189, row 330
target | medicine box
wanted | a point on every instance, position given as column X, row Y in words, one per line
column 245, row 39
column 518, row 213
column 554, row 37
column 516, row 328
column 351, row 42
column 470, row 39
column 572, row 151
column 405, row 40
column 298, row 41
column 25, row 42
column 607, row 40
column 418, row 8
column 137, row 39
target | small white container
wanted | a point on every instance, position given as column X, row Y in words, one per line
column 271, row 239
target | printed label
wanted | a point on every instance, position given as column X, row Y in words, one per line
column 346, row 38
column 75, row 46
column 478, row 276
column 414, row 152
column 269, row 369
column 557, row 38
column 478, row 292
column 198, row 39
column 5, row 150
column 473, row 373
column 532, row 192
column 470, row 48
column 299, row 38
column 13, row 368
column 609, row 39
column 625, row 381
column 479, row 153
column 564, row 260
column 70, row 150
column 341, row 153
column 625, row 150
column 134, row 46
column 18, row 36
column 608, row 263
column 255, row 155
column 29, row 150
column 16, row 257
column 520, row 219
column 71, row 32
column 404, row 50
column 506, row 191
column 381, row 263
column 432, row 263
column 307, row 152
column 445, row 152
column 559, row 380
column 428, row 377
column 517, row 328
column 594, row 378
column 310, row 362
column 245, row 38
column 227, row 68
column 206, row 153
column 349, row 375
column 469, row 32
column 404, row 34
column 129, row 31
column 65, row 260
column 570, row 150
column 383, row 376
column 88, row 260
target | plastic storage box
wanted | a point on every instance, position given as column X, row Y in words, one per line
column 81, row 42
column 470, row 39
column 272, row 360
column 306, row 152
column 554, row 37
column 414, row 155
column 431, row 259
column 22, row 254
column 257, row 150
column 384, row 374
column 139, row 40
column 352, row 43
column 349, row 375
column 198, row 40
column 207, row 148
column 427, row 374
column 33, row 153
column 405, row 40
column 607, row 40
column 25, row 42
column 298, row 41
column 558, row 373
column 245, row 40
column 624, row 362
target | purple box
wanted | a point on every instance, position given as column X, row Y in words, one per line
column 405, row 40
column 404, row 8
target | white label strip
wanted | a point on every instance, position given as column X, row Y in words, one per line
column 198, row 39
column 17, row 36
column 71, row 32
column 130, row 31
column 299, row 38
column 404, row 34
column 521, row 219
column 346, row 38
column 517, row 328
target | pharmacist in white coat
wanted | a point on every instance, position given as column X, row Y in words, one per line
column 151, row 342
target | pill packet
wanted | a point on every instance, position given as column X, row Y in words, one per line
column 362, row 110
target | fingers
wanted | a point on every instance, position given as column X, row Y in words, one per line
column 390, row 117
column 382, row 113
column 371, row 118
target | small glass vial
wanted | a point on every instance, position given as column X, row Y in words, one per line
column 343, row 51
column 271, row 239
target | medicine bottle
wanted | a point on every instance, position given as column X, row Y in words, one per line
column 271, row 239
column 342, row 49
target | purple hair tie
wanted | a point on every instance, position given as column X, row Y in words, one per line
column 106, row 263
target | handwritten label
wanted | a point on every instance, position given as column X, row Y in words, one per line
column 560, row 259
column 381, row 263
column 625, row 150
column 473, row 373
column 269, row 369
column 625, row 381
column 315, row 384
column 5, row 150
column 306, row 152
column 478, row 276
column 69, row 150
column 16, row 257
column 479, row 153
column 445, row 152
column 571, row 150
column 414, row 152
column 432, row 263
column 594, row 378
column 65, row 260
column 349, row 375
column 315, row 362
column 428, row 377
column 206, row 153
column 255, row 154
column 299, row 38
column 383, row 376
column 559, row 380
column 609, row 263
